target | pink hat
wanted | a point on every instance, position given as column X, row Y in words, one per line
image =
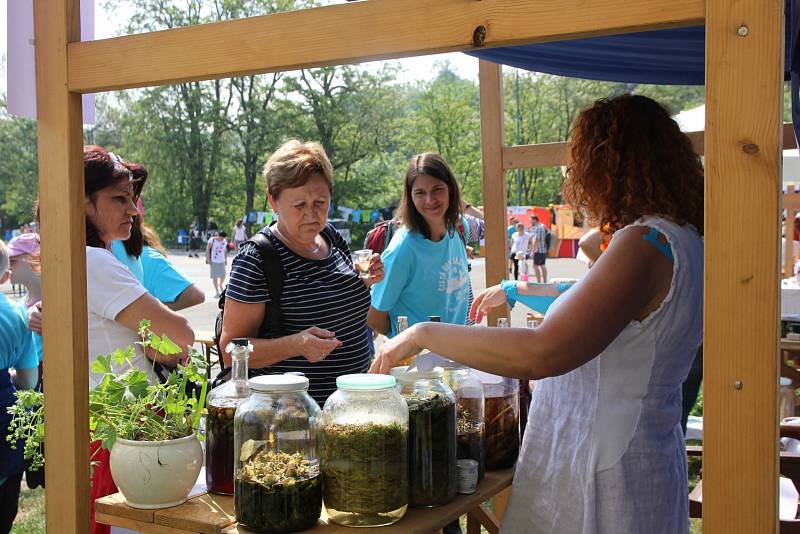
column 23, row 244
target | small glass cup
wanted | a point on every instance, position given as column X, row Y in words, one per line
column 361, row 260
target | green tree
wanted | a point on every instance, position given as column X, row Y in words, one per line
column 19, row 174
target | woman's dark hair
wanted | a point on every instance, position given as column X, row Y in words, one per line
column 630, row 159
column 434, row 166
column 135, row 243
column 103, row 169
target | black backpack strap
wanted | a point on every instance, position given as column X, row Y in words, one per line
column 272, row 325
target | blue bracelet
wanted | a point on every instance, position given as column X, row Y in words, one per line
column 510, row 289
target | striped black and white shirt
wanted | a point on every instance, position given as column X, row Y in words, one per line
column 325, row 293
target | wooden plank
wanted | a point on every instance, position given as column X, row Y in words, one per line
column 494, row 178
column 744, row 95
column 137, row 526
column 62, row 226
column 219, row 508
column 115, row 505
column 486, row 519
column 206, row 513
column 557, row 154
column 390, row 29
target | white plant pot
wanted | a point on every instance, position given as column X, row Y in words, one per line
column 156, row 474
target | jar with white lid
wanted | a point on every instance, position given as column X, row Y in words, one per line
column 277, row 486
column 365, row 451
column 431, row 436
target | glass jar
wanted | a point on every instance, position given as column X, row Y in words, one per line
column 222, row 403
column 365, row 451
column 470, row 428
column 278, row 487
column 501, row 401
column 431, row 436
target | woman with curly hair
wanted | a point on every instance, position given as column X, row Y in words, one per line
column 604, row 450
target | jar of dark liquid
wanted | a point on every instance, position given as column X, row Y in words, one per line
column 222, row 404
column 431, row 436
column 501, row 395
column 470, row 427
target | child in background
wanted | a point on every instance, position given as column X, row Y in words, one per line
column 217, row 258
column 18, row 370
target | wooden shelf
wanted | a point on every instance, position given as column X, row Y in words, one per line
column 214, row 514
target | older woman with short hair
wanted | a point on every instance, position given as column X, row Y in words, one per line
column 323, row 303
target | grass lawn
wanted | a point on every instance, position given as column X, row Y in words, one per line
column 30, row 518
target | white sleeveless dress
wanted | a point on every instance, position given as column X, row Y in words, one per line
column 603, row 451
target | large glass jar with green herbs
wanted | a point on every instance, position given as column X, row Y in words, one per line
column 222, row 403
column 277, row 486
column 365, row 452
column 470, row 422
column 431, row 436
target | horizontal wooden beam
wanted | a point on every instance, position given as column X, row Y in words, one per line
column 555, row 154
column 353, row 33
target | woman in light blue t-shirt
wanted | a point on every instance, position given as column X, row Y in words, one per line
column 426, row 261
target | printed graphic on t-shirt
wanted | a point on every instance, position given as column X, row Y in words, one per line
column 453, row 280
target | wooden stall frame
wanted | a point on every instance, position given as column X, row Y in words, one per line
column 743, row 99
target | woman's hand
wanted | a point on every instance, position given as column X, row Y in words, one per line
column 395, row 350
column 487, row 299
column 314, row 344
column 35, row 318
column 375, row 270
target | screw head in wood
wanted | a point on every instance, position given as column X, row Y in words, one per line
column 742, row 30
column 479, row 36
column 737, row 385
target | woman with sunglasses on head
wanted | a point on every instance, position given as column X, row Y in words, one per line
column 116, row 300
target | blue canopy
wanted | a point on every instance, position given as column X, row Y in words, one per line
column 669, row 57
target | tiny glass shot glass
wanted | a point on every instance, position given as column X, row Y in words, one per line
column 361, row 259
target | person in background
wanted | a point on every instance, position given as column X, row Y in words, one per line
column 510, row 231
column 18, row 370
column 117, row 302
column 25, row 229
column 195, row 237
column 520, row 248
column 426, row 261
column 323, row 304
column 239, row 234
column 539, row 248
column 606, row 453
column 25, row 265
column 217, row 258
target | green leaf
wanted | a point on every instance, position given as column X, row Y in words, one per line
column 101, row 365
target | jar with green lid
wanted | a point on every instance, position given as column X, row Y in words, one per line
column 277, row 485
column 365, row 451
column 431, row 436
column 470, row 427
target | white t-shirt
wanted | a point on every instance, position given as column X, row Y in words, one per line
column 110, row 288
column 238, row 233
column 218, row 250
column 520, row 242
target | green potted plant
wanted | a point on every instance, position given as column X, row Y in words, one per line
column 150, row 429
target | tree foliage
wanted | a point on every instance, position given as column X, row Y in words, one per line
column 205, row 142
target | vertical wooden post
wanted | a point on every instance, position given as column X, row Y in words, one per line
column 490, row 76
column 62, row 227
column 744, row 73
